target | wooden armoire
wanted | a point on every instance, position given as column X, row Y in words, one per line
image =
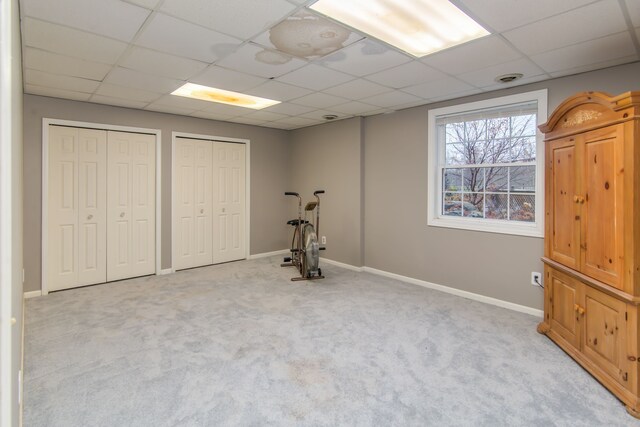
column 592, row 237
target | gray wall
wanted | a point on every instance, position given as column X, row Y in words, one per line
column 398, row 239
column 270, row 159
column 11, row 251
column 329, row 157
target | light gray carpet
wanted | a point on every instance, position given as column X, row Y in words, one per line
column 240, row 344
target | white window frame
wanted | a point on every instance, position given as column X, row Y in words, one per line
column 436, row 163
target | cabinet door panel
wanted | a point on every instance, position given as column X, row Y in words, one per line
column 602, row 211
column 563, row 301
column 605, row 333
column 564, row 245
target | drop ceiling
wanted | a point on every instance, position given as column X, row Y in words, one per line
column 134, row 53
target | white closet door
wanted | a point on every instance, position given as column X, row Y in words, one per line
column 131, row 205
column 229, row 201
column 193, row 200
column 92, row 207
column 76, row 232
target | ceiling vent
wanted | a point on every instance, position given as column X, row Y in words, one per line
column 508, row 78
column 329, row 117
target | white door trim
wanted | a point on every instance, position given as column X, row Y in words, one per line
column 46, row 122
column 247, row 144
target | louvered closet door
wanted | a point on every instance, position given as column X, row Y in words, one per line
column 76, row 230
column 229, row 202
column 193, row 200
column 131, row 205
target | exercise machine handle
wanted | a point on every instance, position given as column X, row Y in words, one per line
column 318, row 192
column 290, row 193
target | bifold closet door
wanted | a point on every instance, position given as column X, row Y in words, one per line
column 130, row 205
column 192, row 201
column 76, row 209
column 229, row 203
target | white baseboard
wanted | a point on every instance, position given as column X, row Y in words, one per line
column 268, row 254
column 32, row 294
column 340, row 264
column 458, row 292
column 165, row 271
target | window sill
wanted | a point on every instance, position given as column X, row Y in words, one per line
column 489, row 226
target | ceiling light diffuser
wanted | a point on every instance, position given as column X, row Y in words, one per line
column 418, row 27
column 205, row 93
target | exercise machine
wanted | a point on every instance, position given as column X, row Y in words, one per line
column 305, row 249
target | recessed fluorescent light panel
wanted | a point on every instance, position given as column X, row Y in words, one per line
column 418, row 27
column 205, row 93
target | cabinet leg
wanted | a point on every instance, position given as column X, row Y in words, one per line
column 633, row 412
column 543, row 328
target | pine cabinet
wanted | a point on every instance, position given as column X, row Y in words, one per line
column 592, row 237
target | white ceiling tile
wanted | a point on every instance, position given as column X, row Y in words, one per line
column 56, row 93
column 501, row 15
column 226, row 109
column 390, row 99
column 278, row 125
column 318, row 115
column 114, row 91
column 404, row 75
column 474, row 55
column 249, row 121
column 137, row 80
column 633, row 6
column 586, row 53
column 239, row 18
column 182, row 102
column 171, row 35
column 355, row 107
column 289, row 109
column 170, row 109
column 456, row 95
column 265, row 115
column 438, row 88
column 486, row 76
column 319, row 100
column 54, row 63
column 315, row 77
column 357, row 89
column 278, row 91
column 161, row 64
column 365, row 57
column 376, row 112
column 297, row 121
column 67, row 41
column 595, row 66
column 249, row 58
column 111, row 18
column 76, row 84
column 149, row 4
column 118, row 102
column 221, row 78
column 211, row 116
column 587, row 23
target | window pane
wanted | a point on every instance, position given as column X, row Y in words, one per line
column 473, row 179
column 522, row 207
column 496, row 206
column 473, row 205
column 455, row 154
column 522, row 179
column 454, row 132
column 452, row 204
column 497, row 179
column 475, row 130
column 452, row 180
column 524, row 125
column 523, row 149
column 498, row 128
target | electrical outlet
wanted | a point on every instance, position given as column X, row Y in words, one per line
column 324, row 240
column 536, row 278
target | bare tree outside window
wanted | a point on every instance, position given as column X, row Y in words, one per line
column 490, row 168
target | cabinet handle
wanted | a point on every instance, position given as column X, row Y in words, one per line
column 201, row 210
column 581, row 310
column 576, row 198
column 121, row 214
column 581, row 200
column 575, row 307
column 90, row 217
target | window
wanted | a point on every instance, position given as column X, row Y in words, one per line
column 486, row 165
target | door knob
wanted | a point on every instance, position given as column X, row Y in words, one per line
column 224, row 209
column 90, row 217
column 121, row 214
column 201, row 210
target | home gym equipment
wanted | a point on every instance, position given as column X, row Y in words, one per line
column 305, row 250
